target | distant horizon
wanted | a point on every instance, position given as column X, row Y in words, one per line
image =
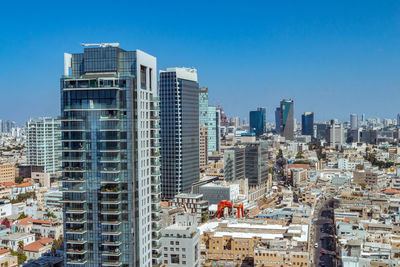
column 331, row 58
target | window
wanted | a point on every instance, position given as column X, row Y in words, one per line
column 175, row 258
column 143, row 75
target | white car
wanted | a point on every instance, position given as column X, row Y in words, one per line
column 316, row 245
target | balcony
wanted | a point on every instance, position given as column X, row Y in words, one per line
column 154, row 108
column 76, row 221
column 90, row 107
column 76, row 261
column 110, row 170
column 110, row 180
column 73, row 149
column 72, row 180
column 76, row 251
column 110, row 159
column 75, row 211
column 111, row 243
column 111, row 233
column 111, row 222
column 111, row 263
column 115, row 252
column 74, row 128
column 71, row 200
column 73, row 159
column 110, row 190
column 155, row 154
column 74, row 169
column 73, row 189
column 155, row 181
column 70, row 119
column 76, row 241
column 110, row 201
column 80, row 231
column 112, row 118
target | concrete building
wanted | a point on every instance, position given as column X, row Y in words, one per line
column 12, row 240
column 203, row 147
column 215, row 192
column 36, row 249
column 7, row 173
column 180, row 155
column 256, row 163
column 234, row 163
column 6, row 259
column 5, row 208
column 192, row 203
column 335, row 134
column 43, row 143
column 353, row 121
column 110, row 131
column 181, row 242
column 42, row 178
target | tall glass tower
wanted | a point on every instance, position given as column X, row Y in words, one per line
column 110, row 157
column 307, row 123
column 286, row 119
column 257, row 122
column 180, row 151
column 208, row 119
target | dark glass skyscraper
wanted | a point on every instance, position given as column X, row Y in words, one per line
column 278, row 120
column 110, row 158
column 180, row 154
column 257, row 123
column 286, row 119
column 307, row 123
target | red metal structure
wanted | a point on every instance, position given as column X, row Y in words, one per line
column 227, row 204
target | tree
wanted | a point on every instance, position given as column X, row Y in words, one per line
column 20, row 246
column 204, row 217
column 22, row 216
column 21, row 257
column 19, row 179
column 299, row 155
column 57, row 244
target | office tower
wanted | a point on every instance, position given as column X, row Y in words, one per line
column 256, row 158
column 257, row 122
column 320, row 131
column 212, row 129
column 398, row 119
column 264, row 110
column 110, row 125
column 207, row 117
column 286, row 119
column 179, row 102
column 278, row 120
column 1, row 126
column 307, row 123
column 234, row 163
column 363, row 117
column 43, row 143
column 353, row 121
column 203, row 147
column 335, row 134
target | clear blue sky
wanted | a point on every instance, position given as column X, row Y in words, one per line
column 331, row 57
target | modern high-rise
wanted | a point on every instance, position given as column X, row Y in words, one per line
column 307, row 123
column 257, row 122
column 335, row 134
column 286, row 121
column 256, row 158
column 218, row 129
column 398, row 119
column 278, row 120
column 110, row 142
column 207, row 117
column 179, row 117
column 264, row 110
column 43, row 144
column 234, row 163
column 353, row 122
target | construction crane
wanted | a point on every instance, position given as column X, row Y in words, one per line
column 228, row 204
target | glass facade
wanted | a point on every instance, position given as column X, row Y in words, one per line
column 257, row 122
column 307, row 123
column 286, row 119
column 208, row 118
column 179, row 117
column 104, row 121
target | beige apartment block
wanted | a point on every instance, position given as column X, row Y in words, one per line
column 7, row 173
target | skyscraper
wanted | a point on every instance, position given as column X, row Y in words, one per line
column 257, row 122
column 335, row 134
column 43, row 143
column 264, row 110
column 208, row 119
column 286, row 119
column 110, row 127
column 353, row 122
column 278, row 120
column 179, row 102
column 398, row 119
column 203, row 147
column 307, row 123
column 256, row 158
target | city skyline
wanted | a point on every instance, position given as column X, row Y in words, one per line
column 342, row 60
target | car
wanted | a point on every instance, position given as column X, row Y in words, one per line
column 316, row 245
column 322, row 252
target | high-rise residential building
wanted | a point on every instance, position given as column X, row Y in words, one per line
column 234, row 163
column 286, row 119
column 264, row 110
column 363, row 117
column 111, row 183
column 203, row 147
column 256, row 166
column 203, row 105
column 180, row 155
column 353, row 122
column 278, row 120
column 218, row 129
column 307, row 123
column 398, row 119
column 335, row 134
column 43, row 143
column 257, row 122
